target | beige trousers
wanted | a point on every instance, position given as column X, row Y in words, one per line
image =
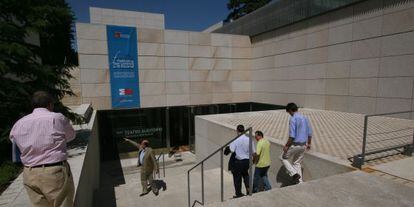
column 49, row 186
column 296, row 153
column 146, row 179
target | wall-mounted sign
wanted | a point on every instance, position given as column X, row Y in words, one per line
column 123, row 66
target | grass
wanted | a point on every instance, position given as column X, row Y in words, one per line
column 8, row 172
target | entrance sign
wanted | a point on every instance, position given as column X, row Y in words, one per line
column 123, row 66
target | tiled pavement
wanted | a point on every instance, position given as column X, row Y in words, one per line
column 337, row 134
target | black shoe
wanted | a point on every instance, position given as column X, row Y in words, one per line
column 142, row 194
column 295, row 178
column 164, row 186
column 155, row 193
column 238, row 196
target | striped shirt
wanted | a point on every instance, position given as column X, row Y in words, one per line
column 42, row 136
column 299, row 128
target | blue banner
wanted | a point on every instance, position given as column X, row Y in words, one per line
column 123, row 66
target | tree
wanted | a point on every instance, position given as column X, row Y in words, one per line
column 35, row 54
column 240, row 8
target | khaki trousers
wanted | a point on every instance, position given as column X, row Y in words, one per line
column 146, row 179
column 49, row 186
column 296, row 153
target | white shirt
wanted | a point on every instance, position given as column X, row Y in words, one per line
column 141, row 157
column 241, row 147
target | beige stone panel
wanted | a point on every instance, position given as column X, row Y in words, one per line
column 96, row 90
column 76, row 79
column 278, row 98
column 153, row 101
column 314, row 101
column 154, row 49
column 178, row 87
column 315, row 71
column 147, row 76
column 150, row 35
column 93, row 61
column 94, row 76
column 152, row 88
column 389, row 105
column 178, row 100
column 302, row 28
column 98, row 103
column 241, row 52
column 282, row 86
column 241, row 97
column 341, row 17
column 339, row 52
column 265, row 62
column 315, row 86
column 261, row 86
column 294, row 44
column 318, row 39
column 241, row 64
column 317, row 55
column 200, row 63
column 266, row 74
column 222, row 87
column 340, row 34
column 90, row 31
column 148, row 62
column 201, row 87
column 175, row 50
column 367, row 28
column 221, row 39
column 395, row 87
column 176, row 63
column 73, row 100
column 222, row 97
column 363, row 87
column 222, row 52
column 362, row 105
column 337, row 86
column 338, row 69
column 397, row 66
column 199, row 38
column 242, row 75
column 260, row 97
column 337, row 103
column 398, row 22
column 296, row 72
column 365, row 68
column 360, row 10
column 398, row 44
column 201, row 75
column 197, row 99
column 222, row 64
column 87, row 46
column 241, row 86
column 200, row 51
column 267, row 49
column 175, row 37
column 299, row 99
column 366, row 48
column 240, row 41
column 222, row 75
column 257, row 51
column 177, row 75
column 295, row 86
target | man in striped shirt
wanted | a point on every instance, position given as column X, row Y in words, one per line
column 41, row 138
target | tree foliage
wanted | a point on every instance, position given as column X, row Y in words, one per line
column 239, row 8
column 35, row 54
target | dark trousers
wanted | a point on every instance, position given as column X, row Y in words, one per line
column 241, row 171
column 260, row 176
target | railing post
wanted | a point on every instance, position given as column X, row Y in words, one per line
column 221, row 175
column 163, row 164
column 250, row 162
column 202, row 183
column 188, row 188
column 358, row 160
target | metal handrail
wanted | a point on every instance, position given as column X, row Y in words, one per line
column 220, row 149
column 163, row 163
column 359, row 159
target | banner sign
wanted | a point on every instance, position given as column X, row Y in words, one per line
column 123, row 66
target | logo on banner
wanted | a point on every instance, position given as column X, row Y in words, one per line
column 120, row 35
column 125, row 91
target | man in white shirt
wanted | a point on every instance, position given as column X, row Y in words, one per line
column 241, row 164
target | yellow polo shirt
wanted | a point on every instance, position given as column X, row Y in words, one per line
column 263, row 151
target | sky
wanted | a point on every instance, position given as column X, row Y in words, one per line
column 191, row 15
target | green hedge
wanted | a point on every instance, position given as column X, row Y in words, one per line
column 8, row 172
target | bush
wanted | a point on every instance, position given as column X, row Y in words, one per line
column 8, row 172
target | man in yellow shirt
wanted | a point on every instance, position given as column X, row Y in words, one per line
column 262, row 160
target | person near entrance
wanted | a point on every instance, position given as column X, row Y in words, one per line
column 240, row 170
column 146, row 159
column 262, row 160
column 41, row 138
column 300, row 137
